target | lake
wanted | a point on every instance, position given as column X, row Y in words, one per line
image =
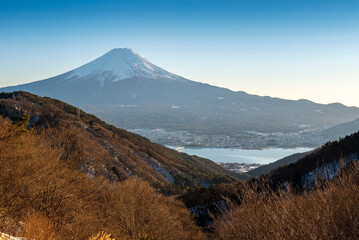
column 264, row 156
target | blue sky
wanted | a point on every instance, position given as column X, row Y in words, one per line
column 284, row 48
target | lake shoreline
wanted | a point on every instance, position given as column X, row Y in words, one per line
column 237, row 155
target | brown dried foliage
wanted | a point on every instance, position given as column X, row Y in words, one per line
column 42, row 197
column 93, row 146
column 330, row 212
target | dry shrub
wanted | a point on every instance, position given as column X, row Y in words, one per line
column 330, row 212
column 38, row 226
column 33, row 177
column 49, row 199
column 101, row 236
column 139, row 212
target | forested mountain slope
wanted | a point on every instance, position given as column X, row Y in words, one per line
column 257, row 172
column 325, row 162
column 98, row 149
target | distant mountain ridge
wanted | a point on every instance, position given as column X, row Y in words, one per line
column 340, row 130
column 127, row 90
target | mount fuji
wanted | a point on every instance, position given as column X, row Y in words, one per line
column 119, row 64
column 127, row 90
column 108, row 79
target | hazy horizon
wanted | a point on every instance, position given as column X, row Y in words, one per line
column 291, row 50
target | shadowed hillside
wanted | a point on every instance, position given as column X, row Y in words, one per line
column 324, row 160
column 257, row 172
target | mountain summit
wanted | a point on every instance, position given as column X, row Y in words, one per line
column 119, row 64
column 130, row 92
column 121, row 76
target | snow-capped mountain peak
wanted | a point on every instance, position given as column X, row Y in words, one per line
column 119, row 64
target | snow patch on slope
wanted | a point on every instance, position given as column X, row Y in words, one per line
column 157, row 166
column 327, row 171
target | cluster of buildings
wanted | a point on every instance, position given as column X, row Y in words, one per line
column 243, row 140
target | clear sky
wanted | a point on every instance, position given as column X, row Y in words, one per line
column 283, row 48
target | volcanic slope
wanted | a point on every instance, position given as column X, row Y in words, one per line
column 127, row 90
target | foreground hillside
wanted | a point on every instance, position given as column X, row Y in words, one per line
column 330, row 212
column 59, row 180
column 98, row 149
column 301, row 175
column 314, row 198
column 325, row 161
column 42, row 197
